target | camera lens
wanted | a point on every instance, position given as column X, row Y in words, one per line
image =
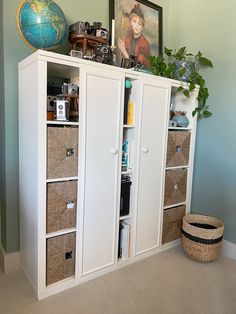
column 104, row 49
column 99, row 58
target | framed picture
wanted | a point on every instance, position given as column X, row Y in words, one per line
column 136, row 29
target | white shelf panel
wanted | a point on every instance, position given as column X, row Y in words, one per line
column 60, row 232
column 178, row 167
column 179, row 128
column 174, row 205
column 62, row 179
column 63, row 123
column 127, row 126
column 127, row 172
column 125, row 217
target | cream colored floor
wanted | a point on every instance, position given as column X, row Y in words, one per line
column 167, row 283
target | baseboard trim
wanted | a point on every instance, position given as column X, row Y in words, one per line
column 9, row 262
column 229, row 249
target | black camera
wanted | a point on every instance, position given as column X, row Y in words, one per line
column 93, row 28
column 130, row 62
column 79, row 28
column 103, row 54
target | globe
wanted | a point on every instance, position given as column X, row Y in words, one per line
column 41, row 24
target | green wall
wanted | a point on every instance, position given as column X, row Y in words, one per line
column 200, row 25
column 210, row 26
column 12, row 50
column 2, row 132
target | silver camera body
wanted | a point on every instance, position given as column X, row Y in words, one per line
column 103, row 33
column 70, row 89
column 76, row 54
column 62, row 110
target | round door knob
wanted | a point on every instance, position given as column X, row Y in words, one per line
column 145, row 150
column 114, row 151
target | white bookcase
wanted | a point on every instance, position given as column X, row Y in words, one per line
column 71, row 172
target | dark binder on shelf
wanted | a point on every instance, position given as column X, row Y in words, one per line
column 125, row 196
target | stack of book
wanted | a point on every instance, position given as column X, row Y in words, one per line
column 127, row 155
column 124, row 240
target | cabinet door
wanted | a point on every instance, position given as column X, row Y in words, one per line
column 151, row 164
column 103, row 109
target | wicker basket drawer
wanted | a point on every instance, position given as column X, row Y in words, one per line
column 178, row 148
column 175, row 186
column 60, row 257
column 62, row 152
column 172, row 223
column 61, row 205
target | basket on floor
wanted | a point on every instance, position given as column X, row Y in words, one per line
column 202, row 237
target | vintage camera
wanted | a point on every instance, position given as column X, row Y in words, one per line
column 51, row 103
column 76, row 54
column 130, row 62
column 69, row 89
column 93, row 28
column 62, row 110
column 85, row 28
column 79, row 27
column 103, row 33
column 103, row 54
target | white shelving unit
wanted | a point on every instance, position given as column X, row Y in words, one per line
column 70, row 209
column 179, row 167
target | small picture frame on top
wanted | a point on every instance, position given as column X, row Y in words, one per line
column 137, row 31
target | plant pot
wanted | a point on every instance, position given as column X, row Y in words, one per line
column 181, row 120
column 187, row 65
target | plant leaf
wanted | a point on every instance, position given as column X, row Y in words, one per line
column 206, row 114
column 180, row 88
column 182, row 71
column 191, row 87
column 186, row 93
column 204, row 61
column 194, row 112
column 168, row 52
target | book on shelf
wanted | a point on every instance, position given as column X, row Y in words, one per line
column 130, row 118
column 127, row 155
column 124, row 240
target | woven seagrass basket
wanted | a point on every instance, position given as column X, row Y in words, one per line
column 202, row 237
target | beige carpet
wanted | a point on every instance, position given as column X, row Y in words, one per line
column 167, row 283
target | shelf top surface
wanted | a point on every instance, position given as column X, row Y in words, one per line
column 76, row 62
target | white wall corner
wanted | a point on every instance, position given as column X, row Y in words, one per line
column 9, row 262
column 229, row 249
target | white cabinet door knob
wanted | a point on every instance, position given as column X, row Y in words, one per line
column 145, row 150
column 114, row 151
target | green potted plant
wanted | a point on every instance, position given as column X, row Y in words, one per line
column 180, row 65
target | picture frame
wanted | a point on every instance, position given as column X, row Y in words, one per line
column 125, row 19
